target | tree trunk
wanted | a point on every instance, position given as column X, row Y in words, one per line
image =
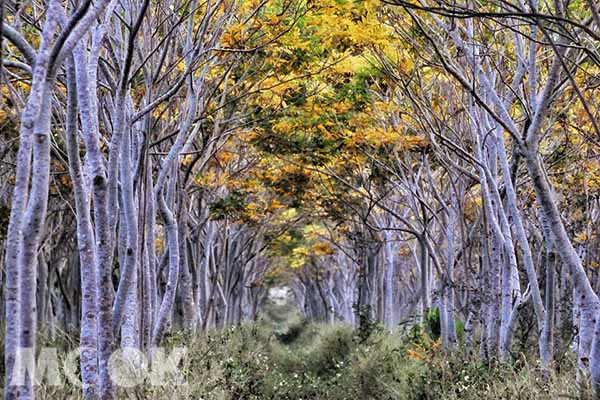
column 86, row 246
column 588, row 300
column 389, row 281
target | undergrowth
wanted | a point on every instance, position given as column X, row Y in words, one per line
column 282, row 357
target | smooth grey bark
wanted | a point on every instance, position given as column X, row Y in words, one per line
column 171, row 227
column 589, row 304
column 190, row 312
column 494, row 246
column 33, row 221
column 448, row 295
column 485, row 294
column 424, row 271
column 120, row 164
column 389, row 277
column 588, row 300
column 14, row 273
column 168, row 299
column 546, row 336
column 86, row 75
column 127, row 293
column 86, row 247
column 149, row 275
column 469, row 333
column 493, row 279
column 511, row 293
column 43, row 292
column 540, row 310
column 564, row 303
column 204, row 272
column 35, row 213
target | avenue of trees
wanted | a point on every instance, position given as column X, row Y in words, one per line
column 164, row 163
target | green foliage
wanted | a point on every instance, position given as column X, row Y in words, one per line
column 366, row 324
column 4, row 217
column 432, row 321
column 433, row 326
column 230, row 205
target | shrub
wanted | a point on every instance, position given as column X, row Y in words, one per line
column 288, row 359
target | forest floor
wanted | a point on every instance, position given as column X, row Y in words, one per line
column 282, row 357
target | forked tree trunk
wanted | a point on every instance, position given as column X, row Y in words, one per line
column 589, row 304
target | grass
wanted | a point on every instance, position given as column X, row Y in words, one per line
column 284, row 358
